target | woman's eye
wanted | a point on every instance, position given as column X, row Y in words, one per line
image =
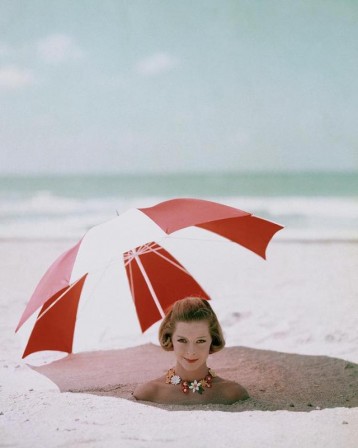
column 201, row 341
column 181, row 340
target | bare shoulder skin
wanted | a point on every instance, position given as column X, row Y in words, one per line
column 156, row 391
column 222, row 392
column 232, row 392
column 147, row 391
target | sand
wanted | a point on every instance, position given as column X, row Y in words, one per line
column 301, row 373
column 275, row 381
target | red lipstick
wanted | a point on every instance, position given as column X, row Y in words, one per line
column 191, row 360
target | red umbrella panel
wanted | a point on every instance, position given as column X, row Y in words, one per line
column 238, row 226
column 56, row 321
column 157, row 280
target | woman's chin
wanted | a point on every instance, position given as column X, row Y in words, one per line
column 191, row 366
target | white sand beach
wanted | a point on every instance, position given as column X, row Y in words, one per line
column 292, row 341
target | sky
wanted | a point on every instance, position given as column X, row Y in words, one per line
column 96, row 86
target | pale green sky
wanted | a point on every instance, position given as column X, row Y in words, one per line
column 167, row 85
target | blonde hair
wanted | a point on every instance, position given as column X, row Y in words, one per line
column 191, row 309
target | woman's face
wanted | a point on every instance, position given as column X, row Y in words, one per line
column 191, row 342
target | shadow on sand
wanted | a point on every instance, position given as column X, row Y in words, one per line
column 275, row 381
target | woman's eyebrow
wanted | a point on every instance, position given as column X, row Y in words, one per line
column 184, row 337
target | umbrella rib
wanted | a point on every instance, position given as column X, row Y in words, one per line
column 128, row 256
column 171, row 261
column 150, row 287
column 151, row 248
column 131, row 279
column 58, row 298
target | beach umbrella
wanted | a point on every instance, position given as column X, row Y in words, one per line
column 127, row 256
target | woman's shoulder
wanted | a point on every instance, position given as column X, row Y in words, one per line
column 223, row 392
column 232, row 391
column 148, row 391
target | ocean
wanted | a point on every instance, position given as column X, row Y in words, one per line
column 310, row 205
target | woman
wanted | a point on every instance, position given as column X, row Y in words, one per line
column 191, row 329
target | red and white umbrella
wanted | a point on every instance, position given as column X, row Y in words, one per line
column 84, row 295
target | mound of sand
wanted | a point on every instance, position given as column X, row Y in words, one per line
column 275, row 381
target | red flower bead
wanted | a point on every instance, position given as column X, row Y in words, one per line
column 185, row 390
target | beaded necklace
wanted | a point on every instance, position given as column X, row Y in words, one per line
column 195, row 385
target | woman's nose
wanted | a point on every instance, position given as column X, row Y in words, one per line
column 191, row 349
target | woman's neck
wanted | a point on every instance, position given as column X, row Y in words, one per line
column 191, row 375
